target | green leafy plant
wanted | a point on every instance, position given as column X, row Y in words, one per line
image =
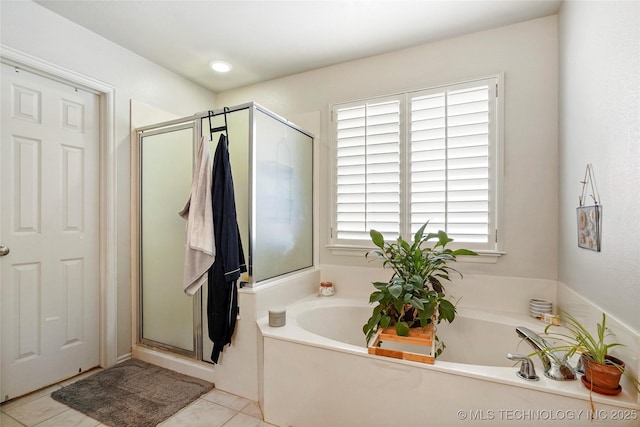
column 575, row 338
column 414, row 295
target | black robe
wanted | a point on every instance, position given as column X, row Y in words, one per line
column 222, row 299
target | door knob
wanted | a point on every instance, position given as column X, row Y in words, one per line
column 4, row 250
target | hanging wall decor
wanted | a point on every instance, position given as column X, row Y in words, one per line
column 589, row 216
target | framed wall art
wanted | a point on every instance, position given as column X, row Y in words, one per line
column 589, row 227
column 589, row 217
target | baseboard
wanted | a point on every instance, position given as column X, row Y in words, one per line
column 123, row 357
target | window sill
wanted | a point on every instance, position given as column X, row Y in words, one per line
column 484, row 256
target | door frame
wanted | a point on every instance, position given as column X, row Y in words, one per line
column 107, row 287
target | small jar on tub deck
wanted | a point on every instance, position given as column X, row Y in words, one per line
column 326, row 289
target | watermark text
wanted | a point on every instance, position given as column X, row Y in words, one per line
column 547, row 414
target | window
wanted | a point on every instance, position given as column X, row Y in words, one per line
column 429, row 155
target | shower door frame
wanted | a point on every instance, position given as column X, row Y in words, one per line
column 192, row 123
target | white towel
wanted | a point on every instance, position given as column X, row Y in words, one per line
column 200, row 246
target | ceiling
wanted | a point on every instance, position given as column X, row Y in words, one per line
column 264, row 40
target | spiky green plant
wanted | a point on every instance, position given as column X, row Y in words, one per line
column 575, row 338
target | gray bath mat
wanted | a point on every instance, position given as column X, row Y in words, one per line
column 132, row 394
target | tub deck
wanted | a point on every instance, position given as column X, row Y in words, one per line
column 310, row 378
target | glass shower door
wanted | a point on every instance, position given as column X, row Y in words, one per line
column 167, row 316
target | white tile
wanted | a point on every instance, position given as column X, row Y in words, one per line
column 70, row 418
column 226, row 399
column 253, row 409
column 7, row 421
column 244, row 420
column 36, row 411
column 200, row 414
column 28, row 398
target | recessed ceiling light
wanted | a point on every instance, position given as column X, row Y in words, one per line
column 220, row 66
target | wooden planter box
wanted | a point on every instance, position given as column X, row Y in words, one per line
column 417, row 336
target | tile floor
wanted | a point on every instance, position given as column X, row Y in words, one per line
column 214, row 409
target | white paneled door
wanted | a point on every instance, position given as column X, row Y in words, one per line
column 49, row 242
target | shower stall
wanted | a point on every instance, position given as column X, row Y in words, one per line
column 272, row 167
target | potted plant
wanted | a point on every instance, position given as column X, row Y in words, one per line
column 602, row 371
column 414, row 296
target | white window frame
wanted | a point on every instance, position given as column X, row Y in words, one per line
column 492, row 249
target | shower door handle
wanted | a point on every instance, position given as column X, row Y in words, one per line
column 4, row 250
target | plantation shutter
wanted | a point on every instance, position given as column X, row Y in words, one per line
column 449, row 160
column 429, row 155
column 368, row 169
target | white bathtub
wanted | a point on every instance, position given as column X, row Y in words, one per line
column 474, row 338
column 317, row 372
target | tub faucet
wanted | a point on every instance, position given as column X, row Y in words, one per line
column 555, row 366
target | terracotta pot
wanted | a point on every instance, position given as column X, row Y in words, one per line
column 600, row 375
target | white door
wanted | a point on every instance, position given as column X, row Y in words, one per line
column 49, row 177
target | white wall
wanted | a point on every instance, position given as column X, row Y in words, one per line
column 600, row 124
column 527, row 54
column 36, row 31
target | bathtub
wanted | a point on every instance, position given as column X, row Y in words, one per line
column 474, row 338
column 316, row 371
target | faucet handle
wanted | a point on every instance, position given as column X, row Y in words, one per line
column 579, row 366
column 527, row 370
